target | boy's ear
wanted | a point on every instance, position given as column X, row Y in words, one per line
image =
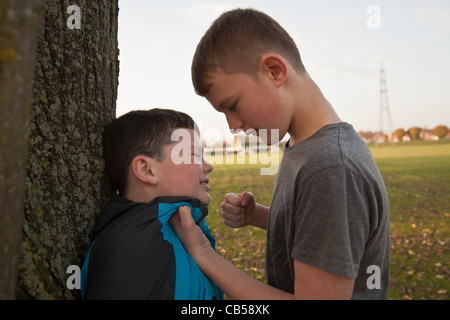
column 275, row 67
column 142, row 168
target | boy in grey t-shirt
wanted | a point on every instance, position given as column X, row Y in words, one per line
column 328, row 225
column 335, row 218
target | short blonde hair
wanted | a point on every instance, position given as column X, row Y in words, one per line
column 235, row 43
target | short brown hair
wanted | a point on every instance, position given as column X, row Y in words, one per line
column 141, row 132
column 235, row 43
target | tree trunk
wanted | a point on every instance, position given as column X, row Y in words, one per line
column 74, row 95
column 19, row 27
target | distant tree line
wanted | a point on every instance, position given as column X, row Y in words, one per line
column 440, row 131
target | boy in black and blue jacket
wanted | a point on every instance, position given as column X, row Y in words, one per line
column 135, row 254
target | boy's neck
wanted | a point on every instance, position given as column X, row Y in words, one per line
column 312, row 111
column 138, row 195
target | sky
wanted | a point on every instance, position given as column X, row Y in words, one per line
column 342, row 44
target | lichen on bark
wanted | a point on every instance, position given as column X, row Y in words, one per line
column 74, row 95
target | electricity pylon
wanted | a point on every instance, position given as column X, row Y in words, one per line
column 385, row 119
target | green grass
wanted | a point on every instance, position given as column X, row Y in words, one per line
column 419, row 193
column 417, row 177
column 412, row 149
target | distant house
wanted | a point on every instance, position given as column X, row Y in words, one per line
column 241, row 144
column 226, row 147
column 406, row 137
column 427, row 134
column 376, row 137
column 367, row 136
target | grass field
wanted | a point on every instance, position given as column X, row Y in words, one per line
column 417, row 177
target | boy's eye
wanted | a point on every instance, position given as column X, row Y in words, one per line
column 232, row 108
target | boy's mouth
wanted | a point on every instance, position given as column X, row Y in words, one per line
column 204, row 183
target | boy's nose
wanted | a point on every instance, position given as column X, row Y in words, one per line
column 207, row 167
column 233, row 122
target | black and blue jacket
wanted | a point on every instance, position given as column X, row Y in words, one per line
column 137, row 255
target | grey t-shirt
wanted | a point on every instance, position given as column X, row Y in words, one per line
column 330, row 209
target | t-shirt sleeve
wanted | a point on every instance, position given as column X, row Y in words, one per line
column 332, row 221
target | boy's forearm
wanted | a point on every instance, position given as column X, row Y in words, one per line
column 236, row 284
column 261, row 216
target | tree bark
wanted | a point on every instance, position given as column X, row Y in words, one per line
column 19, row 28
column 74, row 95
